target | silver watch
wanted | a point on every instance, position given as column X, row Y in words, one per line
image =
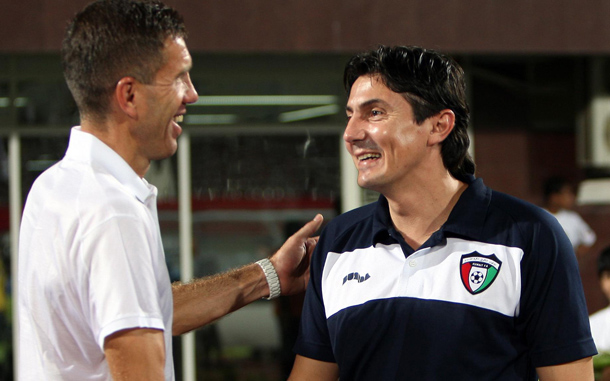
column 272, row 279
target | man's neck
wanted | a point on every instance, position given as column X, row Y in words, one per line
column 424, row 207
column 116, row 136
column 554, row 208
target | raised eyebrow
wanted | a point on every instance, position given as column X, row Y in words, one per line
column 373, row 102
column 185, row 71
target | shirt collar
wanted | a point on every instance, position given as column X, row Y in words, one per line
column 87, row 148
column 466, row 219
column 382, row 222
column 468, row 215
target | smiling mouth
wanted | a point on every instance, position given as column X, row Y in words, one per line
column 178, row 118
column 369, row 156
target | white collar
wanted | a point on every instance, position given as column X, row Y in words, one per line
column 85, row 147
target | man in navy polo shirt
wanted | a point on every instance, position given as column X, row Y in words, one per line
column 442, row 278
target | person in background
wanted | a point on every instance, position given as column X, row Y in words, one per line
column 559, row 198
column 600, row 320
column 442, row 278
column 95, row 300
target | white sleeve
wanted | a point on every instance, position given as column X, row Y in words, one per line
column 586, row 235
column 600, row 329
column 122, row 278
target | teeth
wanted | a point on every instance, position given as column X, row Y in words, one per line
column 369, row 156
column 179, row 118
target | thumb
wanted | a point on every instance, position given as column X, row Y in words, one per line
column 309, row 228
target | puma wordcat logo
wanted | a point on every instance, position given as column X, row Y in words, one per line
column 356, row 277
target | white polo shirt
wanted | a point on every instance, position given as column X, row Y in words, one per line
column 91, row 263
column 577, row 230
column 600, row 329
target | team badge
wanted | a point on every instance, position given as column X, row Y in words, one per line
column 479, row 271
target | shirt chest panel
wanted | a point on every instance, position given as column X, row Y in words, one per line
column 467, row 272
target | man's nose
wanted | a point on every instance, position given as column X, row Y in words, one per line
column 354, row 131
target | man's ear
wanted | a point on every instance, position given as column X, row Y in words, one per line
column 442, row 125
column 125, row 93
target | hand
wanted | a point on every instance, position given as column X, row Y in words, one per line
column 291, row 261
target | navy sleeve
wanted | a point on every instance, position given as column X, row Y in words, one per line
column 553, row 312
column 314, row 341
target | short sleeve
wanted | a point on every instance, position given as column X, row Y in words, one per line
column 600, row 329
column 586, row 234
column 121, row 288
column 553, row 308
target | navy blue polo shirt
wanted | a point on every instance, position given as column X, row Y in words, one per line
column 492, row 295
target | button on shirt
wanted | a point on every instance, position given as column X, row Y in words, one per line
column 91, row 263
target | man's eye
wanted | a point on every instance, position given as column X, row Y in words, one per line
column 182, row 80
column 375, row 112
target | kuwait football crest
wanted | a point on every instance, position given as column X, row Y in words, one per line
column 479, row 271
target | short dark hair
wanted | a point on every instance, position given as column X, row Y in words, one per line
column 603, row 261
column 112, row 39
column 554, row 185
column 430, row 82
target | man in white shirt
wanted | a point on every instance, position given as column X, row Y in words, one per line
column 96, row 301
column 600, row 320
column 559, row 200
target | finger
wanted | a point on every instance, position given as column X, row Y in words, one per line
column 310, row 228
column 311, row 243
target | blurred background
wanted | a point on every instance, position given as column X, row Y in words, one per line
column 262, row 152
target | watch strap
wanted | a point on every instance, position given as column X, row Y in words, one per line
column 272, row 279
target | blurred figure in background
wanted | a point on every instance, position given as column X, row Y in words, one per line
column 559, row 198
column 600, row 321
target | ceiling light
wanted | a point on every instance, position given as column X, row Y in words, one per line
column 308, row 113
column 264, row 100
column 210, row 118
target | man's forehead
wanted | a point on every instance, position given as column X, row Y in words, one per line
column 178, row 44
column 177, row 54
column 369, row 90
column 374, row 79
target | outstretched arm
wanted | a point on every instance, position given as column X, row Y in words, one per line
column 204, row 300
column 136, row 354
column 577, row 370
column 309, row 369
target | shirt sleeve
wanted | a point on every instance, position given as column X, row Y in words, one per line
column 121, row 282
column 314, row 340
column 600, row 328
column 553, row 307
column 586, row 235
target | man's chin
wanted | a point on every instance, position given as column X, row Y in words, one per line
column 176, row 129
column 166, row 152
column 368, row 185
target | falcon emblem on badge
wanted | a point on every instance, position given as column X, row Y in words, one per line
column 478, row 271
